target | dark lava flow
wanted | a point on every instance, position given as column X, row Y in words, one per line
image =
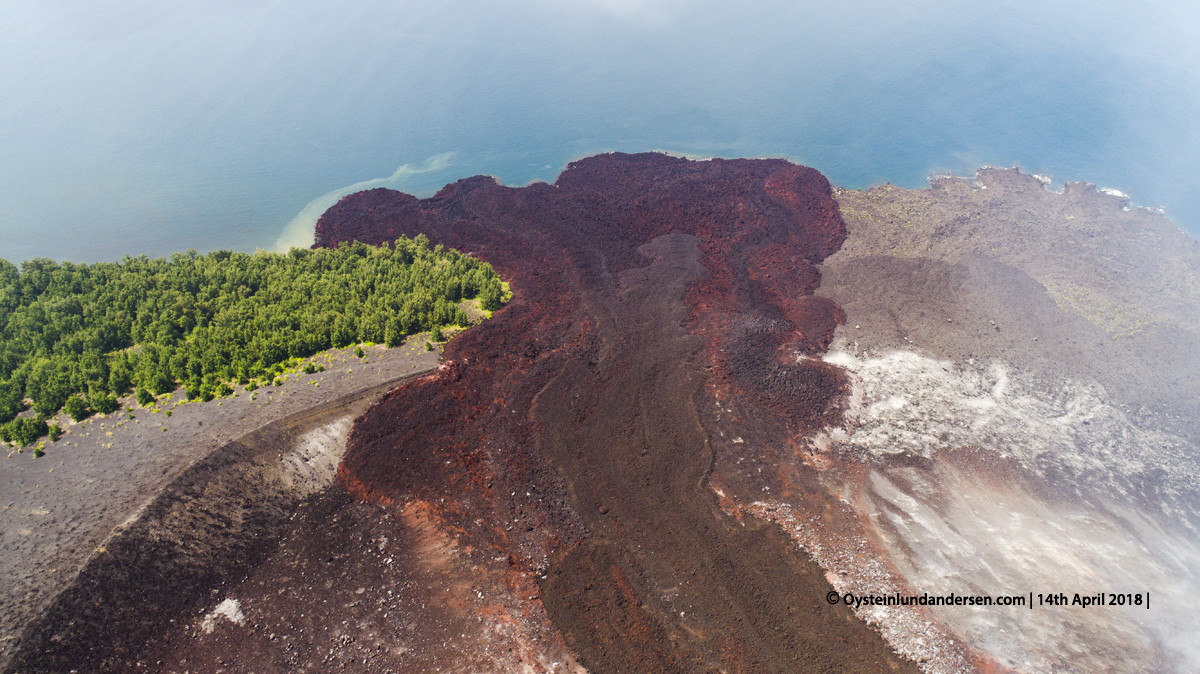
column 574, row 432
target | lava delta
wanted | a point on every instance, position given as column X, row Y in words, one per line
column 662, row 306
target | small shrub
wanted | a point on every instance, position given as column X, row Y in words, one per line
column 144, row 396
column 77, row 409
column 437, row 335
column 39, row 451
column 168, row 412
column 309, row 368
column 428, row 346
column 358, row 351
column 55, row 432
column 320, row 368
column 223, row 390
column 252, row 386
column 278, row 382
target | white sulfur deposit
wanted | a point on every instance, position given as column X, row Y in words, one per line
column 1103, row 507
column 918, row 405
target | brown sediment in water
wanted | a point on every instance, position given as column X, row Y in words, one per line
column 575, row 431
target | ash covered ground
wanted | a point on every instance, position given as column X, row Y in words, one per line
column 1025, row 376
column 130, row 520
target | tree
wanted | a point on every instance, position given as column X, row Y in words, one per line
column 23, row 431
column 119, row 378
column 102, row 402
column 94, row 331
column 77, row 409
column 490, row 298
column 395, row 332
column 48, row 386
column 11, row 399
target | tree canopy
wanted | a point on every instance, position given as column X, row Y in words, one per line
column 91, row 332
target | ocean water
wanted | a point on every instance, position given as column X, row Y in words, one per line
column 144, row 128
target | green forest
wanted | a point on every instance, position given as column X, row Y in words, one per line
column 76, row 337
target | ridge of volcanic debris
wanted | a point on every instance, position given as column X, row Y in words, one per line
column 644, row 287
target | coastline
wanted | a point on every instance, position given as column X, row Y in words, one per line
column 996, row 270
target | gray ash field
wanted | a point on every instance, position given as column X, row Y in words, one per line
column 116, row 481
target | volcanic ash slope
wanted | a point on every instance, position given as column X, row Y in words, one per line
column 1023, row 420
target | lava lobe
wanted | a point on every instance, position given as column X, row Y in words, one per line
column 659, row 304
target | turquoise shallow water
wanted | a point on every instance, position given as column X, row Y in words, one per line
column 133, row 128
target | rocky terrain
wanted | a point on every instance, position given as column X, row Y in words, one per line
column 575, row 433
column 723, row 390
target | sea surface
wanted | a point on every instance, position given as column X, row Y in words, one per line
column 145, row 128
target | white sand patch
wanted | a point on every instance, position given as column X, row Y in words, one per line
column 229, row 610
column 299, row 233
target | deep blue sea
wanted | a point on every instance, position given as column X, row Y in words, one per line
column 144, row 127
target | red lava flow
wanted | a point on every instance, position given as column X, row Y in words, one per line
column 660, row 334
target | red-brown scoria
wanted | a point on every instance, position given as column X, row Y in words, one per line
column 574, row 432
